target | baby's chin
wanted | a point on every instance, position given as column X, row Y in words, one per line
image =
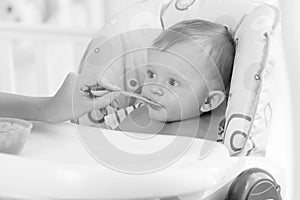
column 157, row 114
column 162, row 115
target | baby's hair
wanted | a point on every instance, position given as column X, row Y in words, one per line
column 215, row 39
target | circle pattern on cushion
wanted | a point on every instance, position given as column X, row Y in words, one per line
column 261, row 23
column 133, row 84
column 250, row 77
column 96, row 116
column 236, row 140
column 184, row 4
column 102, row 54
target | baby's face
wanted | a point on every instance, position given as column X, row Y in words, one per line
column 176, row 81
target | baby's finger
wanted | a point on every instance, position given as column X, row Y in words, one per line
column 104, row 83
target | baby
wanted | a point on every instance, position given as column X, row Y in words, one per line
column 188, row 73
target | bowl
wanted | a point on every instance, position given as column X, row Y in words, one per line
column 13, row 134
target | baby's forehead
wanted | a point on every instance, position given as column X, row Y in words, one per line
column 186, row 58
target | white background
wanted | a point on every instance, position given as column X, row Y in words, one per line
column 291, row 42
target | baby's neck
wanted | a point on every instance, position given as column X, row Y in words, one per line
column 196, row 118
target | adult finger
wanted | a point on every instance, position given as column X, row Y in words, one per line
column 105, row 100
column 104, row 83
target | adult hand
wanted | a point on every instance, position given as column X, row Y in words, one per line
column 71, row 103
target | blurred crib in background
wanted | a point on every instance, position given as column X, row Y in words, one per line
column 42, row 40
column 35, row 59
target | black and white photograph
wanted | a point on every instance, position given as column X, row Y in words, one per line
column 149, row 99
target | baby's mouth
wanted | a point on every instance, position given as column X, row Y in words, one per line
column 156, row 107
column 153, row 104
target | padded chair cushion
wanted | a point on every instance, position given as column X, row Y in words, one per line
column 119, row 48
column 249, row 107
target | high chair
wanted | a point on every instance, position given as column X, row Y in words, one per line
column 108, row 164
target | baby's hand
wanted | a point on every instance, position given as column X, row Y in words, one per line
column 70, row 102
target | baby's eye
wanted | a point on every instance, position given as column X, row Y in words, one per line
column 150, row 74
column 173, row 82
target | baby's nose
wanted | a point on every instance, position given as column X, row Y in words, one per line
column 157, row 91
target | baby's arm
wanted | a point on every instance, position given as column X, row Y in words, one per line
column 68, row 103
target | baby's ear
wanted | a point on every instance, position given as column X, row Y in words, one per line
column 214, row 99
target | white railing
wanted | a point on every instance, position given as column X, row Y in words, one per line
column 35, row 59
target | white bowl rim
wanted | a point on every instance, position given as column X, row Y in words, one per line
column 25, row 123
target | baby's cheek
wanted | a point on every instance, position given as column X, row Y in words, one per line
column 144, row 90
column 174, row 108
column 171, row 100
